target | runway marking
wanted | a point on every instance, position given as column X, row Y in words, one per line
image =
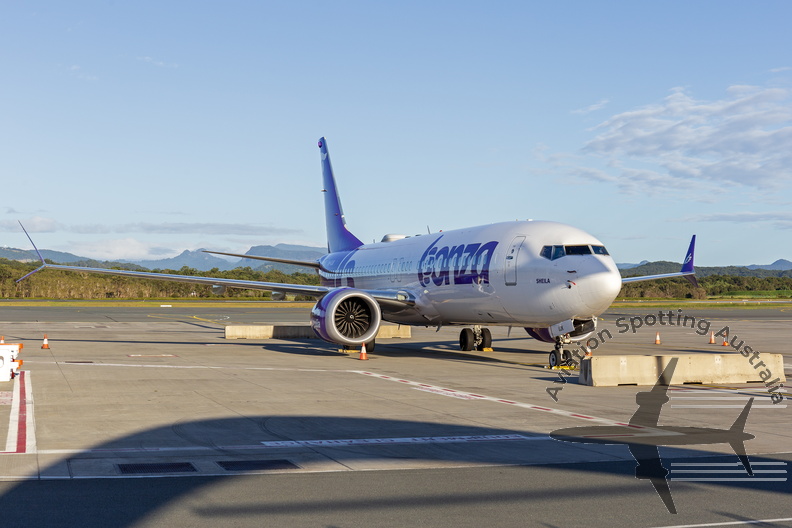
column 730, row 523
column 21, row 424
column 407, row 440
column 472, row 396
column 290, row 444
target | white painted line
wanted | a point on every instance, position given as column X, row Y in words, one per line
column 744, row 398
column 287, row 444
column 714, row 406
column 13, row 421
column 408, row 440
column 732, row 523
column 741, row 471
column 725, row 464
column 30, row 419
column 472, row 396
column 747, row 479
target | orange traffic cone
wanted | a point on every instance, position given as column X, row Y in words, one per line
column 45, row 345
column 2, row 339
column 712, row 338
column 725, row 340
column 657, row 338
column 363, row 355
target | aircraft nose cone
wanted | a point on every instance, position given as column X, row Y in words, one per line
column 599, row 289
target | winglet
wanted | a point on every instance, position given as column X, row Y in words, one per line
column 687, row 265
column 43, row 263
column 338, row 236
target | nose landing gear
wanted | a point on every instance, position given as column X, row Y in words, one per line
column 560, row 357
column 476, row 337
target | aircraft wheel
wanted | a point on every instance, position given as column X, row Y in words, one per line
column 556, row 358
column 486, row 339
column 370, row 346
column 466, row 339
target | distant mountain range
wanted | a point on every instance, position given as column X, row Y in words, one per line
column 780, row 264
column 204, row 262
column 654, row 268
column 192, row 259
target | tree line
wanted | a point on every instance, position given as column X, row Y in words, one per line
column 68, row 285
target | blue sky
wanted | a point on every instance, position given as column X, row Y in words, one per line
column 140, row 129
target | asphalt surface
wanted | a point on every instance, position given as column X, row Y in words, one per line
column 140, row 416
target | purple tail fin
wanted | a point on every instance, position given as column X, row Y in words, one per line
column 338, row 236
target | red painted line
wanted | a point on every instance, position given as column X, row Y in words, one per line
column 403, row 381
column 423, row 385
column 478, row 396
column 581, row 416
column 449, row 390
column 506, row 401
column 22, row 430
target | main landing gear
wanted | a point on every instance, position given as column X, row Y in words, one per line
column 476, row 337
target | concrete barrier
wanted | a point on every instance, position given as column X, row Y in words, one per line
column 610, row 371
column 301, row 331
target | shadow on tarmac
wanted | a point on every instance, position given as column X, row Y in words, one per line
column 125, row 502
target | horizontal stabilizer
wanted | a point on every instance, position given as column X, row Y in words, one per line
column 305, row 263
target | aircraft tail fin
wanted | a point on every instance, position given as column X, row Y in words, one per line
column 338, row 236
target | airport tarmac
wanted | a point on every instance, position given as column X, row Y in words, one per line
column 144, row 415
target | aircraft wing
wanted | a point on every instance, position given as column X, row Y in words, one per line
column 651, row 468
column 306, row 263
column 688, row 271
column 650, row 403
column 300, row 289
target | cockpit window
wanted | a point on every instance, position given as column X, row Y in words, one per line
column 577, row 250
column 556, row 252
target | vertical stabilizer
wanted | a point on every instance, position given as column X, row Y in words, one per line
column 338, row 236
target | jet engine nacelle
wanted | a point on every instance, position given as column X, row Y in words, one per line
column 347, row 317
column 579, row 329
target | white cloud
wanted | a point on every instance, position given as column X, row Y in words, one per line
column 35, row 224
column 781, row 220
column 39, row 224
column 592, row 108
column 115, row 249
column 158, row 63
column 744, row 139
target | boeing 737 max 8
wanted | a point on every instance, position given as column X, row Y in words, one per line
column 550, row 278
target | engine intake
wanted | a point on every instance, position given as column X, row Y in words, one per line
column 347, row 317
